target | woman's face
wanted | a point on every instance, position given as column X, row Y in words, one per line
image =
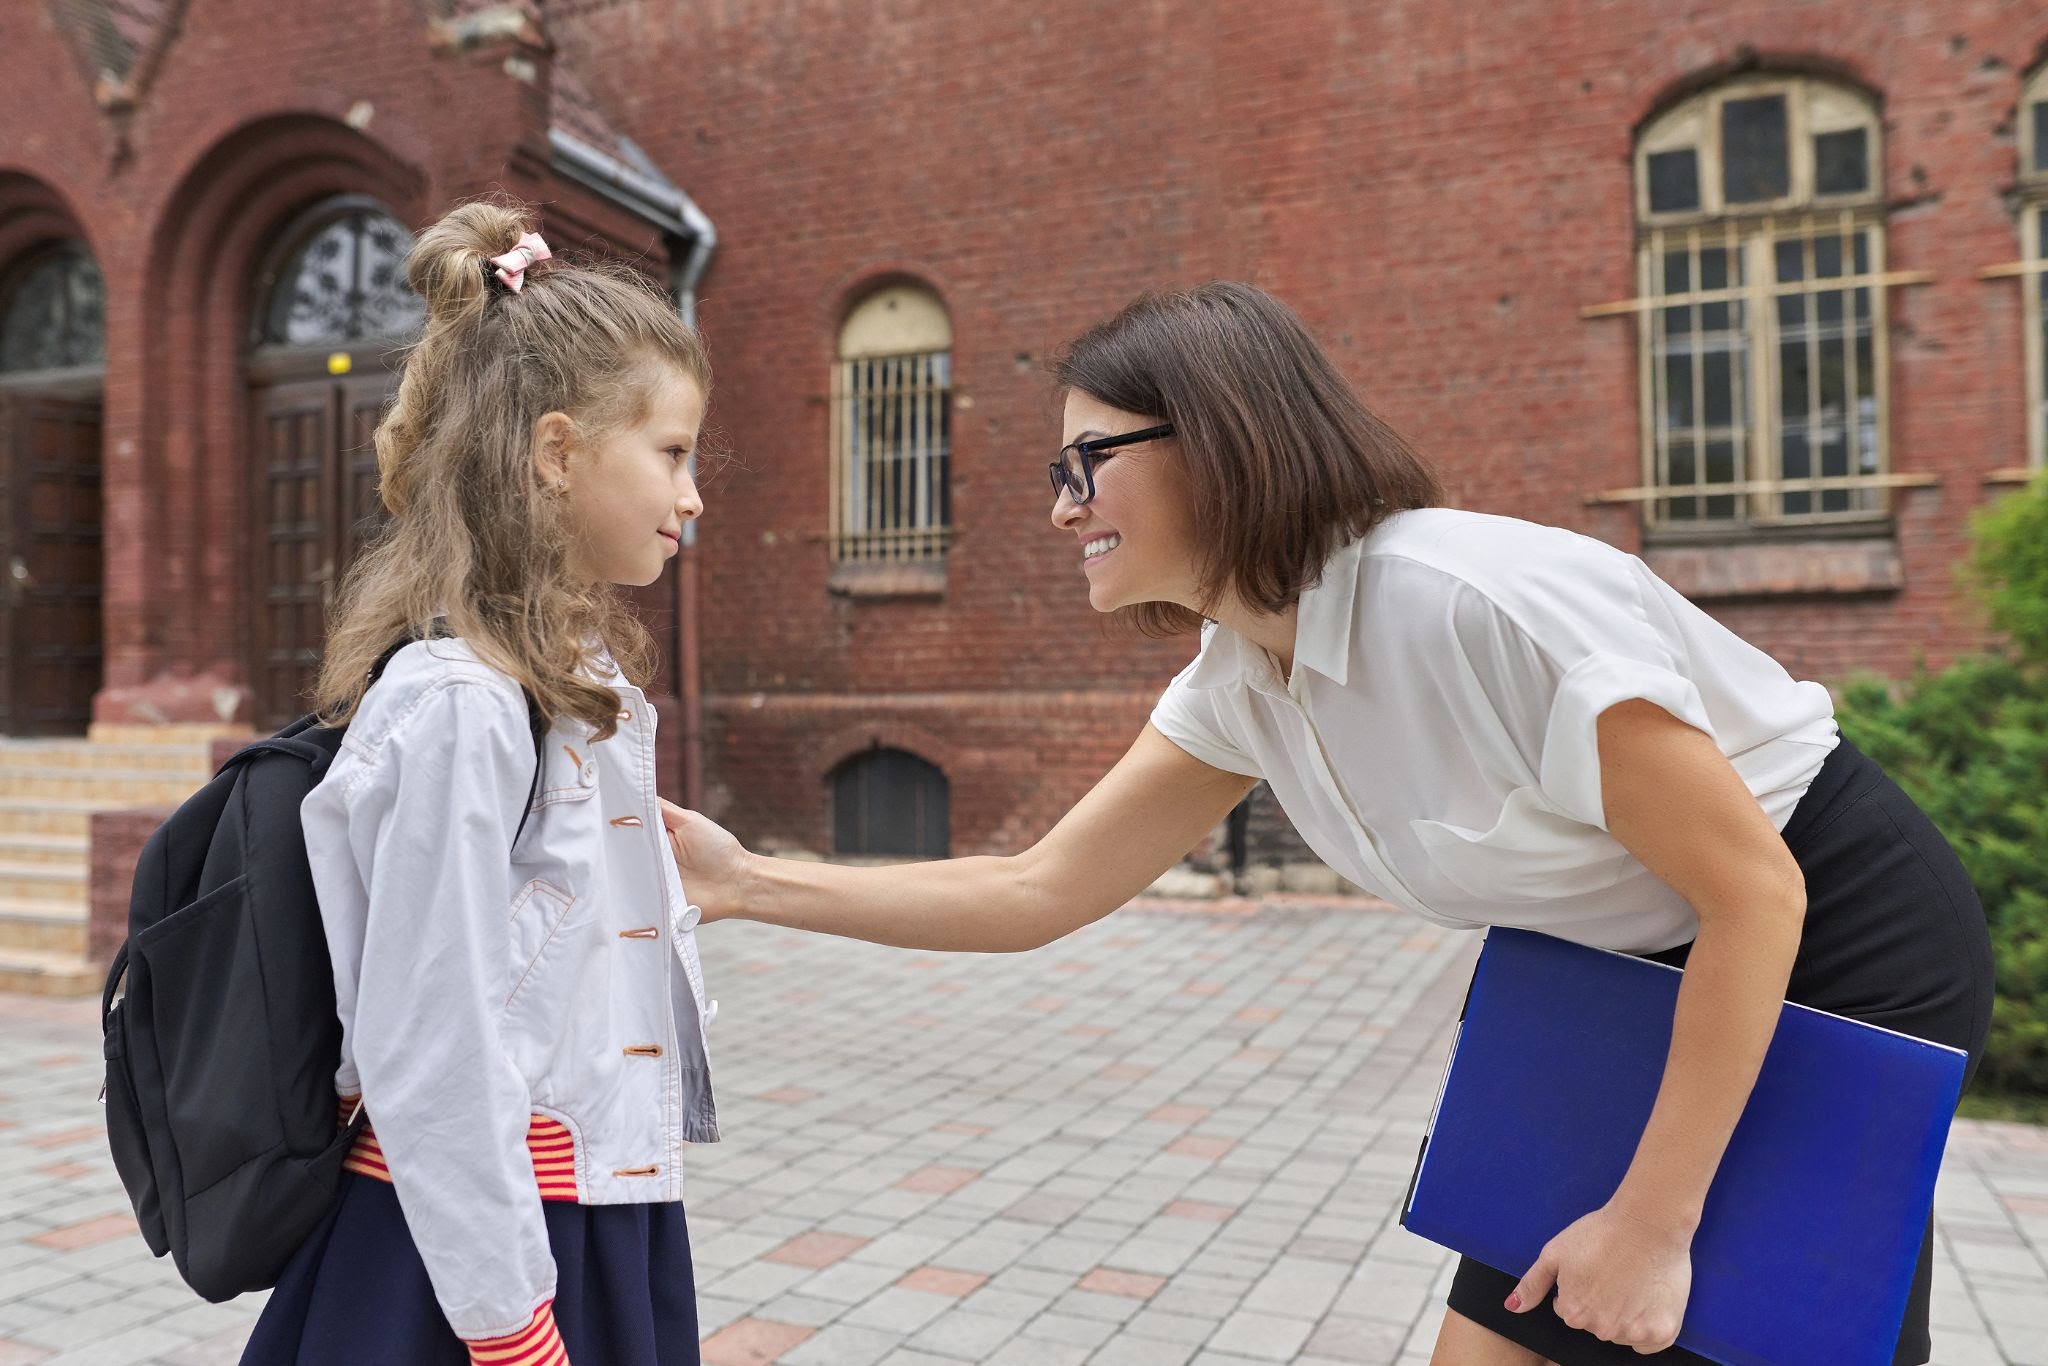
column 1135, row 539
column 630, row 489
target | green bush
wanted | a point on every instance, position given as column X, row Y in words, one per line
column 1970, row 744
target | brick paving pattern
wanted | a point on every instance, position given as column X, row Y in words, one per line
column 1177, row 1137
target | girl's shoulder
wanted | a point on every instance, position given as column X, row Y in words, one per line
column 428, row 676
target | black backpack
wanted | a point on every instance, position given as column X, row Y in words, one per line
column 221, row 1052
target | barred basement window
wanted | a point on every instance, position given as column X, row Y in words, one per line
column 892, row 430
column 890, row 802
column 1760, row 307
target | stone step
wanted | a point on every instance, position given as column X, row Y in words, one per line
column 49, row 974
column 62, row 884
column 181, row 760
column 198, row 736
column 29, row 817
column 107, row 789
column 42, row 927
column 58, row 851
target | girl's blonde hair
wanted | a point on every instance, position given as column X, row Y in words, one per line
column 474, row 536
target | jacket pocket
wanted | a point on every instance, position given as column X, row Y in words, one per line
column 538, row 913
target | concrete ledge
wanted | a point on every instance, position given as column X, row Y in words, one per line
column 1780, row 568
column 888, row 579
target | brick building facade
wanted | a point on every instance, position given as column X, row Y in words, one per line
column 1471, row 206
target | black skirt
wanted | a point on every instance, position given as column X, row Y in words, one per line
column 1894, row 935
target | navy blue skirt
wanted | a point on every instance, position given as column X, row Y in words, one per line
column 1894, row 935
column 356, row 1292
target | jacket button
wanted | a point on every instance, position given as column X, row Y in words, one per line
column 587, row 775
column 625, row 714
column 690, row 919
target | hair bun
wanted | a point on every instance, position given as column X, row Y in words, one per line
column 449, row 267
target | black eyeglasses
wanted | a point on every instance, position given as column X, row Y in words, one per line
column 1074, row 471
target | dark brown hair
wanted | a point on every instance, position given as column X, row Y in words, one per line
column 1282, row 461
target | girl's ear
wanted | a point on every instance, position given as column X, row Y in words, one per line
column 554, row 434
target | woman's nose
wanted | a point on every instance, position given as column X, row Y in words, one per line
column 1064, row 509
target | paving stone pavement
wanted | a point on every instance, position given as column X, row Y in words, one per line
column 1177, row 1137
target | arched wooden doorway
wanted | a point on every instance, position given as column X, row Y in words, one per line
column 52, row 374
column 333, row 309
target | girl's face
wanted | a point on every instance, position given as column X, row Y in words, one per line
column 1135, row 539
column 630, row 489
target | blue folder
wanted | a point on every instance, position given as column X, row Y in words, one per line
column 1806, row 1249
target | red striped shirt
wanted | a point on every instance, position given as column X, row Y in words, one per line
column 548, row 1141
column 537, row 1344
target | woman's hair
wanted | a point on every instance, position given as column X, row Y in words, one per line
column 1282, row 462
column 474, row 536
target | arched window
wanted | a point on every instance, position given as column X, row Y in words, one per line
column 53, row 317
column 343, row 282
column 889, row 802
column 1761, row 284
column 892, row 429
column 2033, row 223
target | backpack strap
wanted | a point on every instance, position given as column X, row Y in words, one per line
column 536, row 720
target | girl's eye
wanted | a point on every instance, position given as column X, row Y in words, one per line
column 678, row 453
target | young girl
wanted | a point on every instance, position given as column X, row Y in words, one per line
column 1487, row 721
column 522, row 1022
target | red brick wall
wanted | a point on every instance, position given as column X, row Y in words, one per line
column 1438, row 188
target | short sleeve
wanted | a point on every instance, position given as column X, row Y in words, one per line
column 1557, row 648
column 1193, row 718
column 1571, row 757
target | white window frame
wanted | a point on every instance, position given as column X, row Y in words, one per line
column 1750, row 233
column 891, row 430
column 2033, row 273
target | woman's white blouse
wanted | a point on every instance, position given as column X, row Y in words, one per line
column 1435, row 741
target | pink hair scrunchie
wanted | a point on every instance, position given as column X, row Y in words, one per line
column 512, row 265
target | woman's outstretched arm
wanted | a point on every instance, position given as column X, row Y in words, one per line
column 1142, row 818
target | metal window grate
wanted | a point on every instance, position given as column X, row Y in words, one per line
column 892, row 457
column 1763, row 363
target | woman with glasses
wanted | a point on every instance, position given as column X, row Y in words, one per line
column 1484, row 720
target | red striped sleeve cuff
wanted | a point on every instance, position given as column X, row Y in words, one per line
column 537, row 1344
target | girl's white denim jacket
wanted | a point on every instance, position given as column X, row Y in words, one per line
column 480, row 984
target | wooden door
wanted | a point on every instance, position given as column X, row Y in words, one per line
column 297, row 557
column 50, row 564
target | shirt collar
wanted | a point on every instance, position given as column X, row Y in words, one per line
column 1322, row 630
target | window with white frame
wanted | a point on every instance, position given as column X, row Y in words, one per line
column 892, row 429
column 2033, row 262
column 1761, row 304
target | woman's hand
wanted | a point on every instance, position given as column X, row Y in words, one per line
column 1619, row 1276
column 710, row 860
